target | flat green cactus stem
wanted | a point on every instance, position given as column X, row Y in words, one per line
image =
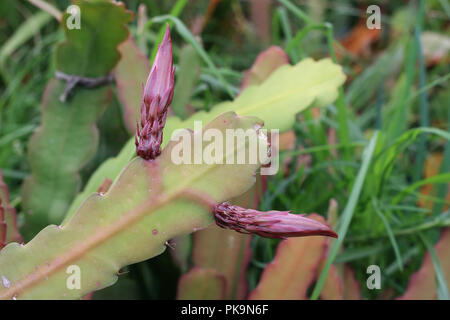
column 288, row 91
column 150, row 203
column 68, row 138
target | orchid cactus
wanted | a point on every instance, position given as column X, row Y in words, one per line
column 162, row 164
column 157, row 96
column 132, row 219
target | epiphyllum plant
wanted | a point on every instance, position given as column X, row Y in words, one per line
column 157, row 96
column 150, row 202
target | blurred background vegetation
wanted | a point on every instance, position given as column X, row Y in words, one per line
column 403, row 66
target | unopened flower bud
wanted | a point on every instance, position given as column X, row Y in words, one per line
column 270, row 224
column 157, row 96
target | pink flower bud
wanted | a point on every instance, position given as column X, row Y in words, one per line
column 156, row 98
column 270, row 224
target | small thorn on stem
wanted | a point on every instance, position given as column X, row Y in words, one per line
column 168, row 244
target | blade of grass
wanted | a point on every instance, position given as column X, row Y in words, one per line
column 285, row 25
column 423, row 99
column 429, row 86
column 321, row 148
column 443, row 220
column 47, row 7
column 446, row 6
column 21, row 35
column 298, row 12
column 21, row 131
column 442, row 289
column 357, row 253
column 439, row 178
column 379, row 105
column 175, row 12
column 389, row 231
column 442, row 189
column 14, row 174
column 406, row 257
column 386, row 158
column 398, row 120
column 342, row 116
column 189, row 37
column 296, row 42
column 347, row 215
column 275, row 29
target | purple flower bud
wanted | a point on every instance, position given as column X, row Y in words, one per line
column 270, row 224
column 156, row 98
